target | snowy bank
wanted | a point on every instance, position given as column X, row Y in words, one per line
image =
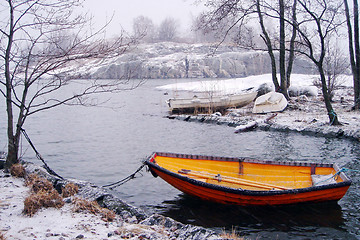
column 308, row 118
column 63, row 223
column 304, row 114
column 236, row 85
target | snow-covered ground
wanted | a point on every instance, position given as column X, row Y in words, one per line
column 75, row 219
column 235, row 85
column 59, row 224
column 302, row 114
column 48, row 223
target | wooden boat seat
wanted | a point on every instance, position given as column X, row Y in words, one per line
column 238, row 181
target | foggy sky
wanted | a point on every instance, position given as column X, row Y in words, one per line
column 125, row 11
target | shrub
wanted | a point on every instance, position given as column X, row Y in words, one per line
column 17, row 170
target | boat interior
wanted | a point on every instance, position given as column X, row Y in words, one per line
column 250, row 175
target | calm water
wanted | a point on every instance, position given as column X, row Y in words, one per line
column 106, row 144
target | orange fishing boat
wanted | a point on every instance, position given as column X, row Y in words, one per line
column 243, row 181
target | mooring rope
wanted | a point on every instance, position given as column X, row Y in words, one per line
column 333, row 118
column 124, row 180
column 342, row 170
column 348, row 170
column 48, row 169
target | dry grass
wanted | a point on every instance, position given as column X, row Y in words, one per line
column 82, row 205
column 43, row 195
column 233, row 235
column 69, row 190
column 37, row 183
column 133, row 231
column 2, row 236
column 42, row 199
column 18, row 170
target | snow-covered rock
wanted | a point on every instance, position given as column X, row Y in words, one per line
column 182, row 60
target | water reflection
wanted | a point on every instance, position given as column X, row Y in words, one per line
column 253, row 220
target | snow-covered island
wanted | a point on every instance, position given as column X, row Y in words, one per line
column 242, row 69
column 165, row 60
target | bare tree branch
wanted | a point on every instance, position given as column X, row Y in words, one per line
column 40, row 42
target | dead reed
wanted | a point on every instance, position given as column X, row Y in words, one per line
column 69, row 190
column 82, row 205
column 18, row 170
column 231, row 236
column 42, row 194
column 37, row 183
column 2, row 236
column 42, row 199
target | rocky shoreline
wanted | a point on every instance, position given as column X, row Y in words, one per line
column 303, row 115
column 130, row 222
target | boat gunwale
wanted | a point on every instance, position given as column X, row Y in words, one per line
column 346, row 180
column 181, row 104
column 217, row 97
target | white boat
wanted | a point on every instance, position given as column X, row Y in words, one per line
column 210, row 104
column 270, row 102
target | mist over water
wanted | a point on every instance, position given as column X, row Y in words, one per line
column 105, row 144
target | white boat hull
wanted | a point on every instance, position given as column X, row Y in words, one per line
column 215, row 103
column 270, row 102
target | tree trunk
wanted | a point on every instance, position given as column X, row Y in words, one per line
column 13, row 143
column 353, row 59
column 350, row 40
column 331, row 113
column 267, row 41
column 292, row 45
column 357, row 56
column 282, row 54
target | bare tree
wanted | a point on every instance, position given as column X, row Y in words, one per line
column 200, row 34
column 354, row 54
column 168, row 29
column 291, row 57
column 335, row 65
column 40, row 42
column 282, row 50
column 319, row 19
column 265, row 36
column 225, row 15
column 144, row 28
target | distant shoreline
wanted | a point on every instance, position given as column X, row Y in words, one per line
column 307, row 117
